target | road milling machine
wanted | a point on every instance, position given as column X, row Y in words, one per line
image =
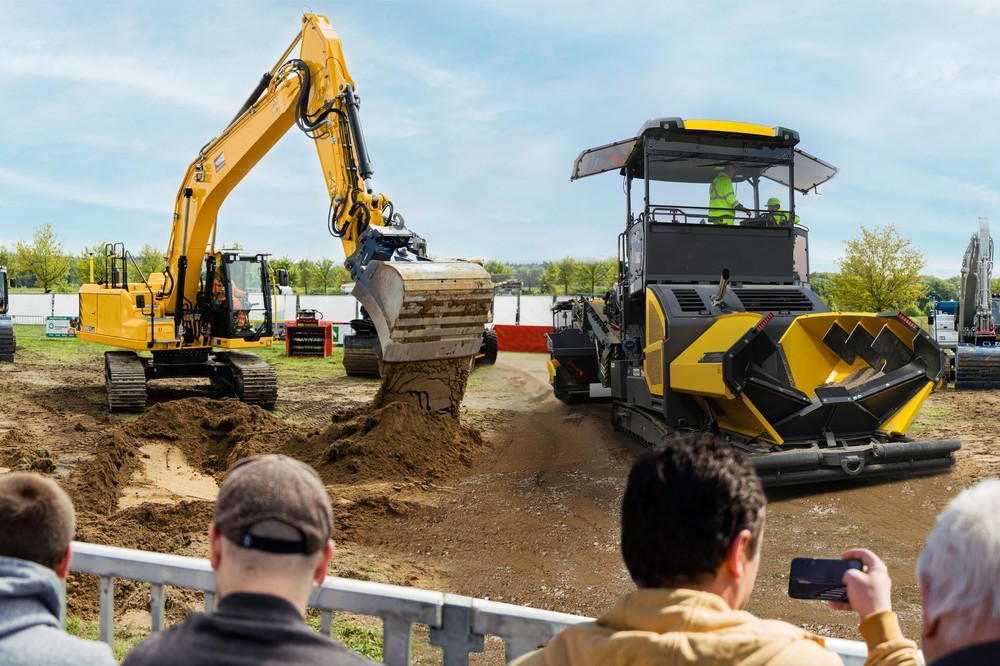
column 969, row 327
column 712, row 327
column 209, row 305
column 8, row 341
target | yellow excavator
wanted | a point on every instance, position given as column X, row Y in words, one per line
column 209, row 303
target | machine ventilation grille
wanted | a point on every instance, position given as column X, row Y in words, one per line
column 689, row 300
column 654, row 327
column 774, row 300
column 654, row 371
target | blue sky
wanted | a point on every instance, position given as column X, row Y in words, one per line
column 474, row 111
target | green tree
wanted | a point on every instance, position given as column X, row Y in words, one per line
column 341, row 276
column 531, row 276
column 820, row 285
column 150, row 260
column 596, row 274
column 935, row 287
column 8, row 259
column 43, row 258
column 498, row 270
column 879, row 271
column 561, row 273
column 324, row 272
column 306, row 279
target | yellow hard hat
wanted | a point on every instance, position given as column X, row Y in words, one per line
column 774, row 201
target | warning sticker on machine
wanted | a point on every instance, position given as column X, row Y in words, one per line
column 220, row 162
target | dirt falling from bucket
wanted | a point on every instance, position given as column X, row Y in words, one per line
column 436, row 385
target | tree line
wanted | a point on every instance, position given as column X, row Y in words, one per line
column 42, row 264
column 880, row 271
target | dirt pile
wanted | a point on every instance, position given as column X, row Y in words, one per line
column 396, row 443
column 367, row 449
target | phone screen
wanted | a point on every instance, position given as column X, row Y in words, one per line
column 818, row 578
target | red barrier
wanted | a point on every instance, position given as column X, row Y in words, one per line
column 511, row 337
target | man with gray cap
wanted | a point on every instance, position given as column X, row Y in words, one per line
column 269, row 543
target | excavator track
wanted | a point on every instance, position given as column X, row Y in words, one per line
column 125, row 379
column 255, row 381
column 361, row 356
column 977, row 367
column 8, row 341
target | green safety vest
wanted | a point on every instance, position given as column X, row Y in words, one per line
column 781, row 217
column 721, row 200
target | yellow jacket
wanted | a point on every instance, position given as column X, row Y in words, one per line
column 679, row 627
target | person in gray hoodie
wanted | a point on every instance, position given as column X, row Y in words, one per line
column 37, row 522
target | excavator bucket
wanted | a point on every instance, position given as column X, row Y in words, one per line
column 426, row 310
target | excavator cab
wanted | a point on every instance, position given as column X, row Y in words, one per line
column 236, row 291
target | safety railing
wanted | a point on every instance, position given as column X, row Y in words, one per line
column 458, row 625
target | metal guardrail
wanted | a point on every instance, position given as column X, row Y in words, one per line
column 458, row 625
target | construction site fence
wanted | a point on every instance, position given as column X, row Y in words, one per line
column 507, row 308
column 458, row 625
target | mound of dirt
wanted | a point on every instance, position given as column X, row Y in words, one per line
column 373, row 448
column 396, row 443
column 20, row 454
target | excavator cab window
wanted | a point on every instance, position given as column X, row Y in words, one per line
column 240, row 302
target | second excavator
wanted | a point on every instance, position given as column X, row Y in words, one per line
column 209, row 303
column 969, row 327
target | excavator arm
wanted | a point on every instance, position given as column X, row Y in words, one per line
column 422, row 309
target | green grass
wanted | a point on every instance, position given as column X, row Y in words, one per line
column 360, row 633
column 126, row 636
column 313, row 368
column 50, row 351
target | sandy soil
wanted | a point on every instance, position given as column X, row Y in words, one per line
column 516, row 501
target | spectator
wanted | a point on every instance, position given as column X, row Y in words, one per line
column 959, row 576
column 269, row 545
column 37, row 523
column 692, row 523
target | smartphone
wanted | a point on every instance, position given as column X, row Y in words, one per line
column 819, row 578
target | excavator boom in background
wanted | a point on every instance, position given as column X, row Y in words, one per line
column 210, row 299
column 8, row 342
column 969, row 326
column 713, row 328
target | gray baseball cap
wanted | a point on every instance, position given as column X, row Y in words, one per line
column 274, row 487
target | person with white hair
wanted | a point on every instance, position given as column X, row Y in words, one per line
column 959, row 577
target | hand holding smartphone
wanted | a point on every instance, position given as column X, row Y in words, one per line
column 820, row 578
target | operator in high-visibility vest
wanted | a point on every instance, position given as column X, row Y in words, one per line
column 722, row 202
column 780, row 217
